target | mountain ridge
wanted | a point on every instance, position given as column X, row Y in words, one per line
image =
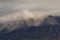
column 46, row 30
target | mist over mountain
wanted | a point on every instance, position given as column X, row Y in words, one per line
column 49, row 29
column 29, row 19
column 25, row 24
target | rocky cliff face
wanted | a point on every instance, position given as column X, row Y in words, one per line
column 49, row 30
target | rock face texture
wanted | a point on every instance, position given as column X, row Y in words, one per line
column 49, row 30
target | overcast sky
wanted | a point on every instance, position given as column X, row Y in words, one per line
column 8, row 6
column 26, row 9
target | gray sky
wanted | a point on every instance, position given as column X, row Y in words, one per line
column 8, row 6
column 26, row 9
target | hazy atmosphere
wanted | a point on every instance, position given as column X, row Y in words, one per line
column 9, row 6
column 11, row 10
column 29, row 19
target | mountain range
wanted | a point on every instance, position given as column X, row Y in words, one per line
column 49, row 30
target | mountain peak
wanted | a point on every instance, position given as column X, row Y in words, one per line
column 52, row 20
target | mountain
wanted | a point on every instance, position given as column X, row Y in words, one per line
column 52, row 20
column 49, row 30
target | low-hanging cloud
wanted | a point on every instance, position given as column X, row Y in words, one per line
column 25, row 17
column 15, row 13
